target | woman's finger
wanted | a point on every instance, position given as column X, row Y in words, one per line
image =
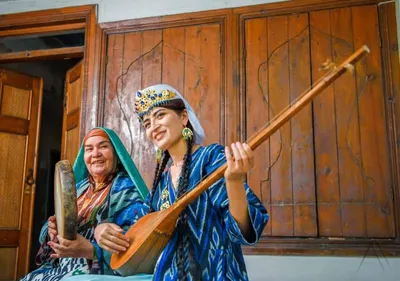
column 112, row 243
column 54, row 256
column 228, row 155
column 249, row 153
column 118, row 241
column 118, row 236
column 108, row 249
column 57, row 247
column 63, row 241
column 112, row 247
column 244, row 156
column 118, row 232
column 236, row 154
column 52, row 233
column 116, row 227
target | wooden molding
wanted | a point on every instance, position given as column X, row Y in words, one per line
column 324, row 247
column 298, row 6
column 46, row 17
column 44, row 29
column 286, row 7
column 58, row 53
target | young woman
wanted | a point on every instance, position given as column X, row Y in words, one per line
column 207, row 242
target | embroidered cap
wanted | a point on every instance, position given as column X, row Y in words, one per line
column 161, row 94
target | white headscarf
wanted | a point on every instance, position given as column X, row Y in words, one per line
column 161, row 94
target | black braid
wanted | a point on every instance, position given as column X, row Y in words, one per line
column 157, row 175
column 182, row 227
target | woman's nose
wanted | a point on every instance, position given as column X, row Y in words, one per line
column 154, row 126
column 96, row 152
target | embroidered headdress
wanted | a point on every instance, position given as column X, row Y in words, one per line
column 162, row 94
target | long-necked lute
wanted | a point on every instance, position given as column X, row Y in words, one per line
column 150, row 234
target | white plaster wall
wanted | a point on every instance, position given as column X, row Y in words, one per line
column 261, row 268
column 116, row 10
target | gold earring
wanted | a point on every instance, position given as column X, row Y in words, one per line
column 187, row 134
column 159, row 153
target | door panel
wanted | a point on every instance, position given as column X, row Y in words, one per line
column 72, row 111
column 20, row 107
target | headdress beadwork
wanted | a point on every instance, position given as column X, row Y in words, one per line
column 149, row 98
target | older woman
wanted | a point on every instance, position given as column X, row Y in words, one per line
column 109, row 189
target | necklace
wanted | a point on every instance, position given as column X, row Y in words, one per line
column 99, row 186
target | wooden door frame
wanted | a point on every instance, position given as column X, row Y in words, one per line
column 59, row 20
column 232, row 20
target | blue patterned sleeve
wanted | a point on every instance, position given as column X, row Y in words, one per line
column 126, row 207
column 43, row 255
column 257, row 213
column 43, row 233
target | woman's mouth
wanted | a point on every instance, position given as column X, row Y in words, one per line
column 159, row 136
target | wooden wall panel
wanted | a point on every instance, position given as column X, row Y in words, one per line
column 333, row 128
column 303, row 178
column 374, row 157
column 346, row 129
column 353, row 174
column 277, row 72
column 187, row 58
column 281, row 169
column 256, row 38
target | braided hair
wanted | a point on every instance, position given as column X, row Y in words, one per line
column 185, row 251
